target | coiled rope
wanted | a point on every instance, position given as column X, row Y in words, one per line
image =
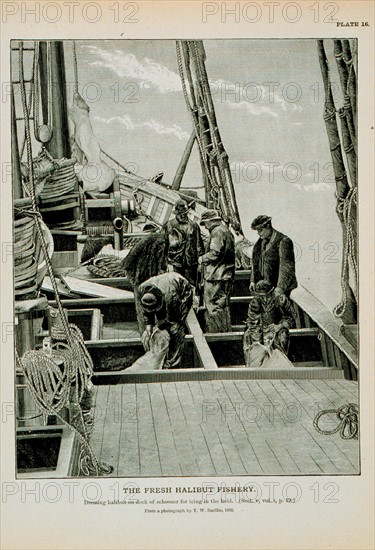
column 348, row 421
column 107, row 266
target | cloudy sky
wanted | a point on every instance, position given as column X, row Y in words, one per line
column 269, row 101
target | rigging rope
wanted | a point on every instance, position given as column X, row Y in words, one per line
column 195, row 125
column 348, row 421
column 75, row 65
column 36, row 89
column 213, row 131
column 77, row 361
column 31, row 97
column 344, row 207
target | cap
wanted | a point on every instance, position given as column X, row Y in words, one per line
column 260, row 221
column 152, row 300
column 263, row 287
column 181, row 207
column 209, row 215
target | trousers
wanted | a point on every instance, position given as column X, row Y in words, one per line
column 216, row 298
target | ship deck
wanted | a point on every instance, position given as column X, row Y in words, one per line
column 222, row 428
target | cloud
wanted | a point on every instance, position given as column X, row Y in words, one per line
column 252, row 108
column 152, row 124
column 314, row 187
column 145, row 71
column 252, row 97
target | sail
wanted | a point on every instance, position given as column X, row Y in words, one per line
column 95, row 174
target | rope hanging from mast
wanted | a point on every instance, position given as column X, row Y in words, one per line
column 346, row 193
column 214, row 159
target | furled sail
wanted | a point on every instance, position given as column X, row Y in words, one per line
column 95, row 174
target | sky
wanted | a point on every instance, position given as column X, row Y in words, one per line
column 269, row 101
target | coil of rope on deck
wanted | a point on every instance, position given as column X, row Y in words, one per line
column 348, row 421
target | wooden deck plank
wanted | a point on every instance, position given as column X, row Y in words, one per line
column 186, row 406
column 271, row 425
column 129, row 458
column 221, row 419
column 332, row 395
column 331, row 446
column 189, row 464
column 235, row 436
column 325, row 320
column 254, row 424
column 345, row 456
column 299, row 445
column 174, row 437
column 193, row 417
column 112, row 428
column 336, row 399
column 165, row 436
column 101, row 403
column 350, row 391
column 203, row 350
column 181, row 434
column 89, row 288
column 239, row 432
column 318, row 450
column 150, row 464
column 283, row 418
column 214, row 444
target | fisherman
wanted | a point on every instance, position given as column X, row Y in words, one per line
column 147, row 258
column 270, row 316
column 166, row 300
column 218, row 272
column 273, row 258
column 185, row 243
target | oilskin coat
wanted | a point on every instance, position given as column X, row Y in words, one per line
column 185, row 246
column 274, row 261
column 218, row 274
column 263, row 313
column 177, row 301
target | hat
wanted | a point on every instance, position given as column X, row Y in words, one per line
column 260, row 221
column 181, row 207
column 263, row 287
column 209, row 216
column 152, row 300
column 150, row 227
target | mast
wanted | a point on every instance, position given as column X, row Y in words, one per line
column 54, row 101
column 16, row 168
column 176, row 184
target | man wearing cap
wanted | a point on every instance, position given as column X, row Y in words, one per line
column 166, row 300
column 269, row 318
column 273, row 258
column 184, row 243
column 218, row 272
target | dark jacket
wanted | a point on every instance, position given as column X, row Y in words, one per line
column 177, row 297
column 185, row 243
column 276, row 264
column 219, row 259
column 146, row 259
